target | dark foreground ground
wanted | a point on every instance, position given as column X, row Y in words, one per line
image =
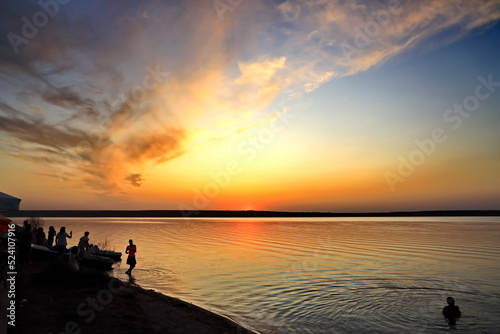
column 62, row 301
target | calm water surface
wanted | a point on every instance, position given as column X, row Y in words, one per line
column 297, row 276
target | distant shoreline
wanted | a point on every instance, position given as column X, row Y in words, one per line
column 239, row 214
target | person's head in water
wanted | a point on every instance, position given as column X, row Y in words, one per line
column 451, row 312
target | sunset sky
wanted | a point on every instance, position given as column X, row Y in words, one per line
column 313, row 105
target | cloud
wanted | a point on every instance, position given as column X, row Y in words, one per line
column 153, row 149
column 134, row 179
column 65, row 98
column 348, row 38
column 289, row 10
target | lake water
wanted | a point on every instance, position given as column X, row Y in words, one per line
column 317, row 275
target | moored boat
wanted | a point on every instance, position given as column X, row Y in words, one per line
column 115, row 256
column 97, row 262
column 42, row 253
column 89, row 260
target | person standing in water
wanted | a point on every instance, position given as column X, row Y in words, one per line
column 131, row 250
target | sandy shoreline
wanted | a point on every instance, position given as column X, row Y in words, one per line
column 62, row 301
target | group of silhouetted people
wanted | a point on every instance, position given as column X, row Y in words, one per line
column 58, row 242
column 27, row 237
column 54, row 241
column 38, row 236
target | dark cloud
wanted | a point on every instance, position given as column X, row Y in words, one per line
column 134, row 179
column 34, row 130
column 64, row 97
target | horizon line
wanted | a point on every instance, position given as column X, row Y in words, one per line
column 239, row 213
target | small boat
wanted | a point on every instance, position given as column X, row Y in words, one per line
column 42, row 253
column 92, row 261
column 116, row 256
column 89, row 260
column 97, row 262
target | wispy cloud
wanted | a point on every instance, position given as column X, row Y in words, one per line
column 321, row 31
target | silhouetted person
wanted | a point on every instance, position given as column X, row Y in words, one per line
column 25, row 244
column 83, row 245
column 61, row 240
column 40, row 237
column 451, row 312
column 131, row 250
column 50, row 237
